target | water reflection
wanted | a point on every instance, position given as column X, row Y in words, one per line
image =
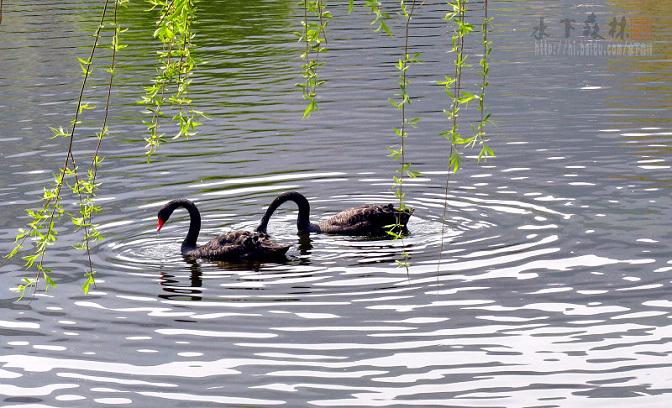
column 305, row 247
column 193, row 291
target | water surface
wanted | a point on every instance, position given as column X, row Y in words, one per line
column 553, row 285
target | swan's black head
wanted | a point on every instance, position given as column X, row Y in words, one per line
column 167, row 210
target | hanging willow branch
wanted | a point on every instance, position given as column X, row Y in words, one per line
column 380, row 17
column 170, row 88
column 314, row 36
column 41, row 230
column 453, row 89
column 398, row 152
column 87, row 189
column 459, row 98
column 480, row 138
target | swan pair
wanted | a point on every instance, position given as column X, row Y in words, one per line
column 246, row 245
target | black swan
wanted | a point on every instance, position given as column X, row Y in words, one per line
column 367, row 219
column 229, row 246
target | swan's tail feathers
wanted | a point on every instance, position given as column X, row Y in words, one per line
column 273, row 251
column 278, row 249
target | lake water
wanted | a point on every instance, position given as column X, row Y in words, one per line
column 554, row 286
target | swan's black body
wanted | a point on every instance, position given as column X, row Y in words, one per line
column 367, row 219
column 230, row 246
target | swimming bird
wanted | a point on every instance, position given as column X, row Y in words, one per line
column 229, row 246
column 369, row 219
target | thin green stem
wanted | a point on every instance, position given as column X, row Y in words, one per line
column 51, row 209
column 458, row 16
column 404, row 81
column 90, row 209
column 323, row 26
column 398, row 151
column 402, row 203
column 484, row 83
column 480, row 136
column 70, row 156
column 113, row 64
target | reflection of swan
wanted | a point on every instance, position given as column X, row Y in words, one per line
column 192, row 292
column 364, row 220
column 230, row 246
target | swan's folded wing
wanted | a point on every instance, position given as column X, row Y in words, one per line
column 365, row 220
column 355, row 215
column 241, row 245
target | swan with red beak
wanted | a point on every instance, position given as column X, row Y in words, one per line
column 229, row 246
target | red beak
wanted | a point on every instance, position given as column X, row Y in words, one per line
column 159, row 224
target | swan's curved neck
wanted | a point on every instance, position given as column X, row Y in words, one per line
column 189, row 242
column 303, row 223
